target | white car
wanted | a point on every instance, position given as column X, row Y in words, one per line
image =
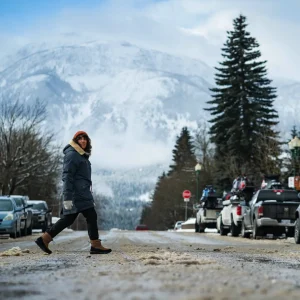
column 231, row 216
column 178, row 225
column 206, row 217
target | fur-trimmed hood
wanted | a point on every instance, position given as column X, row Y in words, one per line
column 75, row 147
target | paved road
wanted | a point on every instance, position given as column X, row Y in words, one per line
column 152, row 265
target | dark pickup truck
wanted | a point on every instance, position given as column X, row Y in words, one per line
column 42, row 215
column 271, row 211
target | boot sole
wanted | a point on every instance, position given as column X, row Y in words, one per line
column 42, row 246
column 100, row 252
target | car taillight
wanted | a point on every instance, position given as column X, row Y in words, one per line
column 278, row 191
column 239, row 210
column 260, row 211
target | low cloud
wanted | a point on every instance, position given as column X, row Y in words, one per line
column 194, row 28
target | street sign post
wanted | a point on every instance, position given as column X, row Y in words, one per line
column 186, row 194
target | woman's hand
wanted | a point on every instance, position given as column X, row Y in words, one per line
column 68, row 205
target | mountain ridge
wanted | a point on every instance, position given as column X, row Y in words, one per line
column 132, row 101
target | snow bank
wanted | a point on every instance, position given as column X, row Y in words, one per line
column 15, row 251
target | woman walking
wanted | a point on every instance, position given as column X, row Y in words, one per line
column 77, row 195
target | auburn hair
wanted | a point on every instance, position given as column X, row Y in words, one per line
column 88, row 148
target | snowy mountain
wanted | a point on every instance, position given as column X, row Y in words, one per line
column 132, row 102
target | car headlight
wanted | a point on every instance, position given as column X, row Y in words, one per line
column 9, row 217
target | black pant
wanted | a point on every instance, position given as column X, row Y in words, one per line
column 67, row 220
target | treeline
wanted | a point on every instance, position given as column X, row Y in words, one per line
column 242, row 133
column 167, row 205
column 30, row 159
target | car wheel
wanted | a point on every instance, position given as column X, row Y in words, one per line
column 223, row 231
column 201, row 226
column 256, row 230
column 297, row 231
column 196, row 227
column 29, row 230
column 24, row 231
column 234, row 230
column 243, row 231
column 13, row 235
column 290, row 232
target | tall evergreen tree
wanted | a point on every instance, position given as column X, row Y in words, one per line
column 183, row 153
column 243, row 117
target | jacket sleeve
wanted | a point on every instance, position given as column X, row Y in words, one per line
column 69, row 169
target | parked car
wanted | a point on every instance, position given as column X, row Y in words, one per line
column 271, row 211
column 231, row 216
column 141, row 227
column 42, row 215
column 21, row 201
column 208, row 213
column 10, row 217
column 189, row 224
column 178, row 225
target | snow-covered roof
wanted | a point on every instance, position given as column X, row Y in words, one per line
column 190, row 221
column 36, row 201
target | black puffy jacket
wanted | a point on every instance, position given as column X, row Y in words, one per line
column 76, row 178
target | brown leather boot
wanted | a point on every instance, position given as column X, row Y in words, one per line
column 97, row 248
column 43, row 242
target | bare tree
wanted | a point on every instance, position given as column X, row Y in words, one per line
column 27, row 153
column 266, row 157
column 204, row 150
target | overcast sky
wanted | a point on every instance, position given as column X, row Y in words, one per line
column 194, row 28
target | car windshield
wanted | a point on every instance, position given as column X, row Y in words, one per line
column 6, row 205
column 18, row 201
column 39, row 206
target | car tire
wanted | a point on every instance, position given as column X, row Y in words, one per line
column 24, row 231
column 256, row 230
column 196, row 227
column 290, row 232
column 223, row 231
column 234, row 230
column 297, row 231
column 243, row 231
column 19, row 231
column 201, row 226
column 29, row 230
column 13, row 235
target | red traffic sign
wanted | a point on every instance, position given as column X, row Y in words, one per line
column 186, row 194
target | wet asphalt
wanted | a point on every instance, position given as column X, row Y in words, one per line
column 152, row 265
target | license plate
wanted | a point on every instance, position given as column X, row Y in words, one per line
column 285, row 221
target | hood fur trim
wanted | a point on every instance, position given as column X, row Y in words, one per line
column 78, row 148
